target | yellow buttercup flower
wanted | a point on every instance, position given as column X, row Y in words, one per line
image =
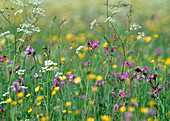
column 167, row 61
column 28, row 95
column 91, row 76
column 64, row 111
column 62, row 59
column 14, row 103
column 155, row 36
column 68, row 104
column 131, row 109
column 114, row 66
column 77, row 80
column 133, row 100
column 8, row 100
column 20, row 94
column 30, row 110
column 104, row 44
column 138, row 37
column 19, row 101
column 39, row 103
column 76, row 112
column 151, row 103
column 105, row 118
column 37, row 88
column 69, row 111
column 56, row 88
column 144, row 110
column 147, row 39
column 122, row 109
column 39, row 98
column 90, row 119
column 99, row 78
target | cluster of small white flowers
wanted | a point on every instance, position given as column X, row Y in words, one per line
column 10, row 36
column 49, row 66
column 59, row 74
column 3, row 102
column 134, row 27
column 116, row 11
column 141, row 34
column 79, row 48
column 5, row 94
column 92, row 24
column 18, row 11
column 19, row 3
column 2, row 34
column 20, row 72
column 20, row 40
column 28, row 28
column 35, row 2
column 38, row 11
column 109, row 19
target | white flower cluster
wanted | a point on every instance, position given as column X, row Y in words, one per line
column 2, row 34
column 3, row 102
column 116, row 11
column 142, row 34
column 80, row 48
column 92, row 24
column 18, row 11
column 109, row 19
column 19, row 3
column 134, row 27
column 20, row 40
column 49, row 66
column 28, row 28
column 35, row 2
column 6, row 93
column 38, row 11
column 20, row 72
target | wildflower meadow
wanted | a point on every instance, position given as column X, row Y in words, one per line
column 84, row 60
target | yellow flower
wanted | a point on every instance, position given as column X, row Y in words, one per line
column 20, row 94
column 114, row 66
column 167, row 61
column 91, row 76
column 122, row 109
column 90, row 102
column 151, row 103
column 77, row 80
column 41, row 88
column 69, row 72
column 53, row 92
column 56, row 88
column 71, row 48
column 47, row 118
column 71, row 60
column 94, row 88
column 63, row 78
column 28, row 95
column 152, row 61
column 155, row 36
column 144, row 110
column 39, row 103
column 19, row 101
column 8, row 100
column 131, row 109
column 76, row 112
column 147, row 39
column 138, row 37
column 43, row 119
column 133, row 100
column 104, row 44
column 39, row 98
column 105, row 118
column 14, row 103
column 38, row 116
column 37, row 88
column 64, row 111
column 69, row 111
column 30, row 110
column 81, row 56
column 150, row 119
column 69, row 36
column 62, row 59
column 90, row 119
column 55, row 64
column 168, row 113
column 68, row 104
column 99, row 78
column 77, row 93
